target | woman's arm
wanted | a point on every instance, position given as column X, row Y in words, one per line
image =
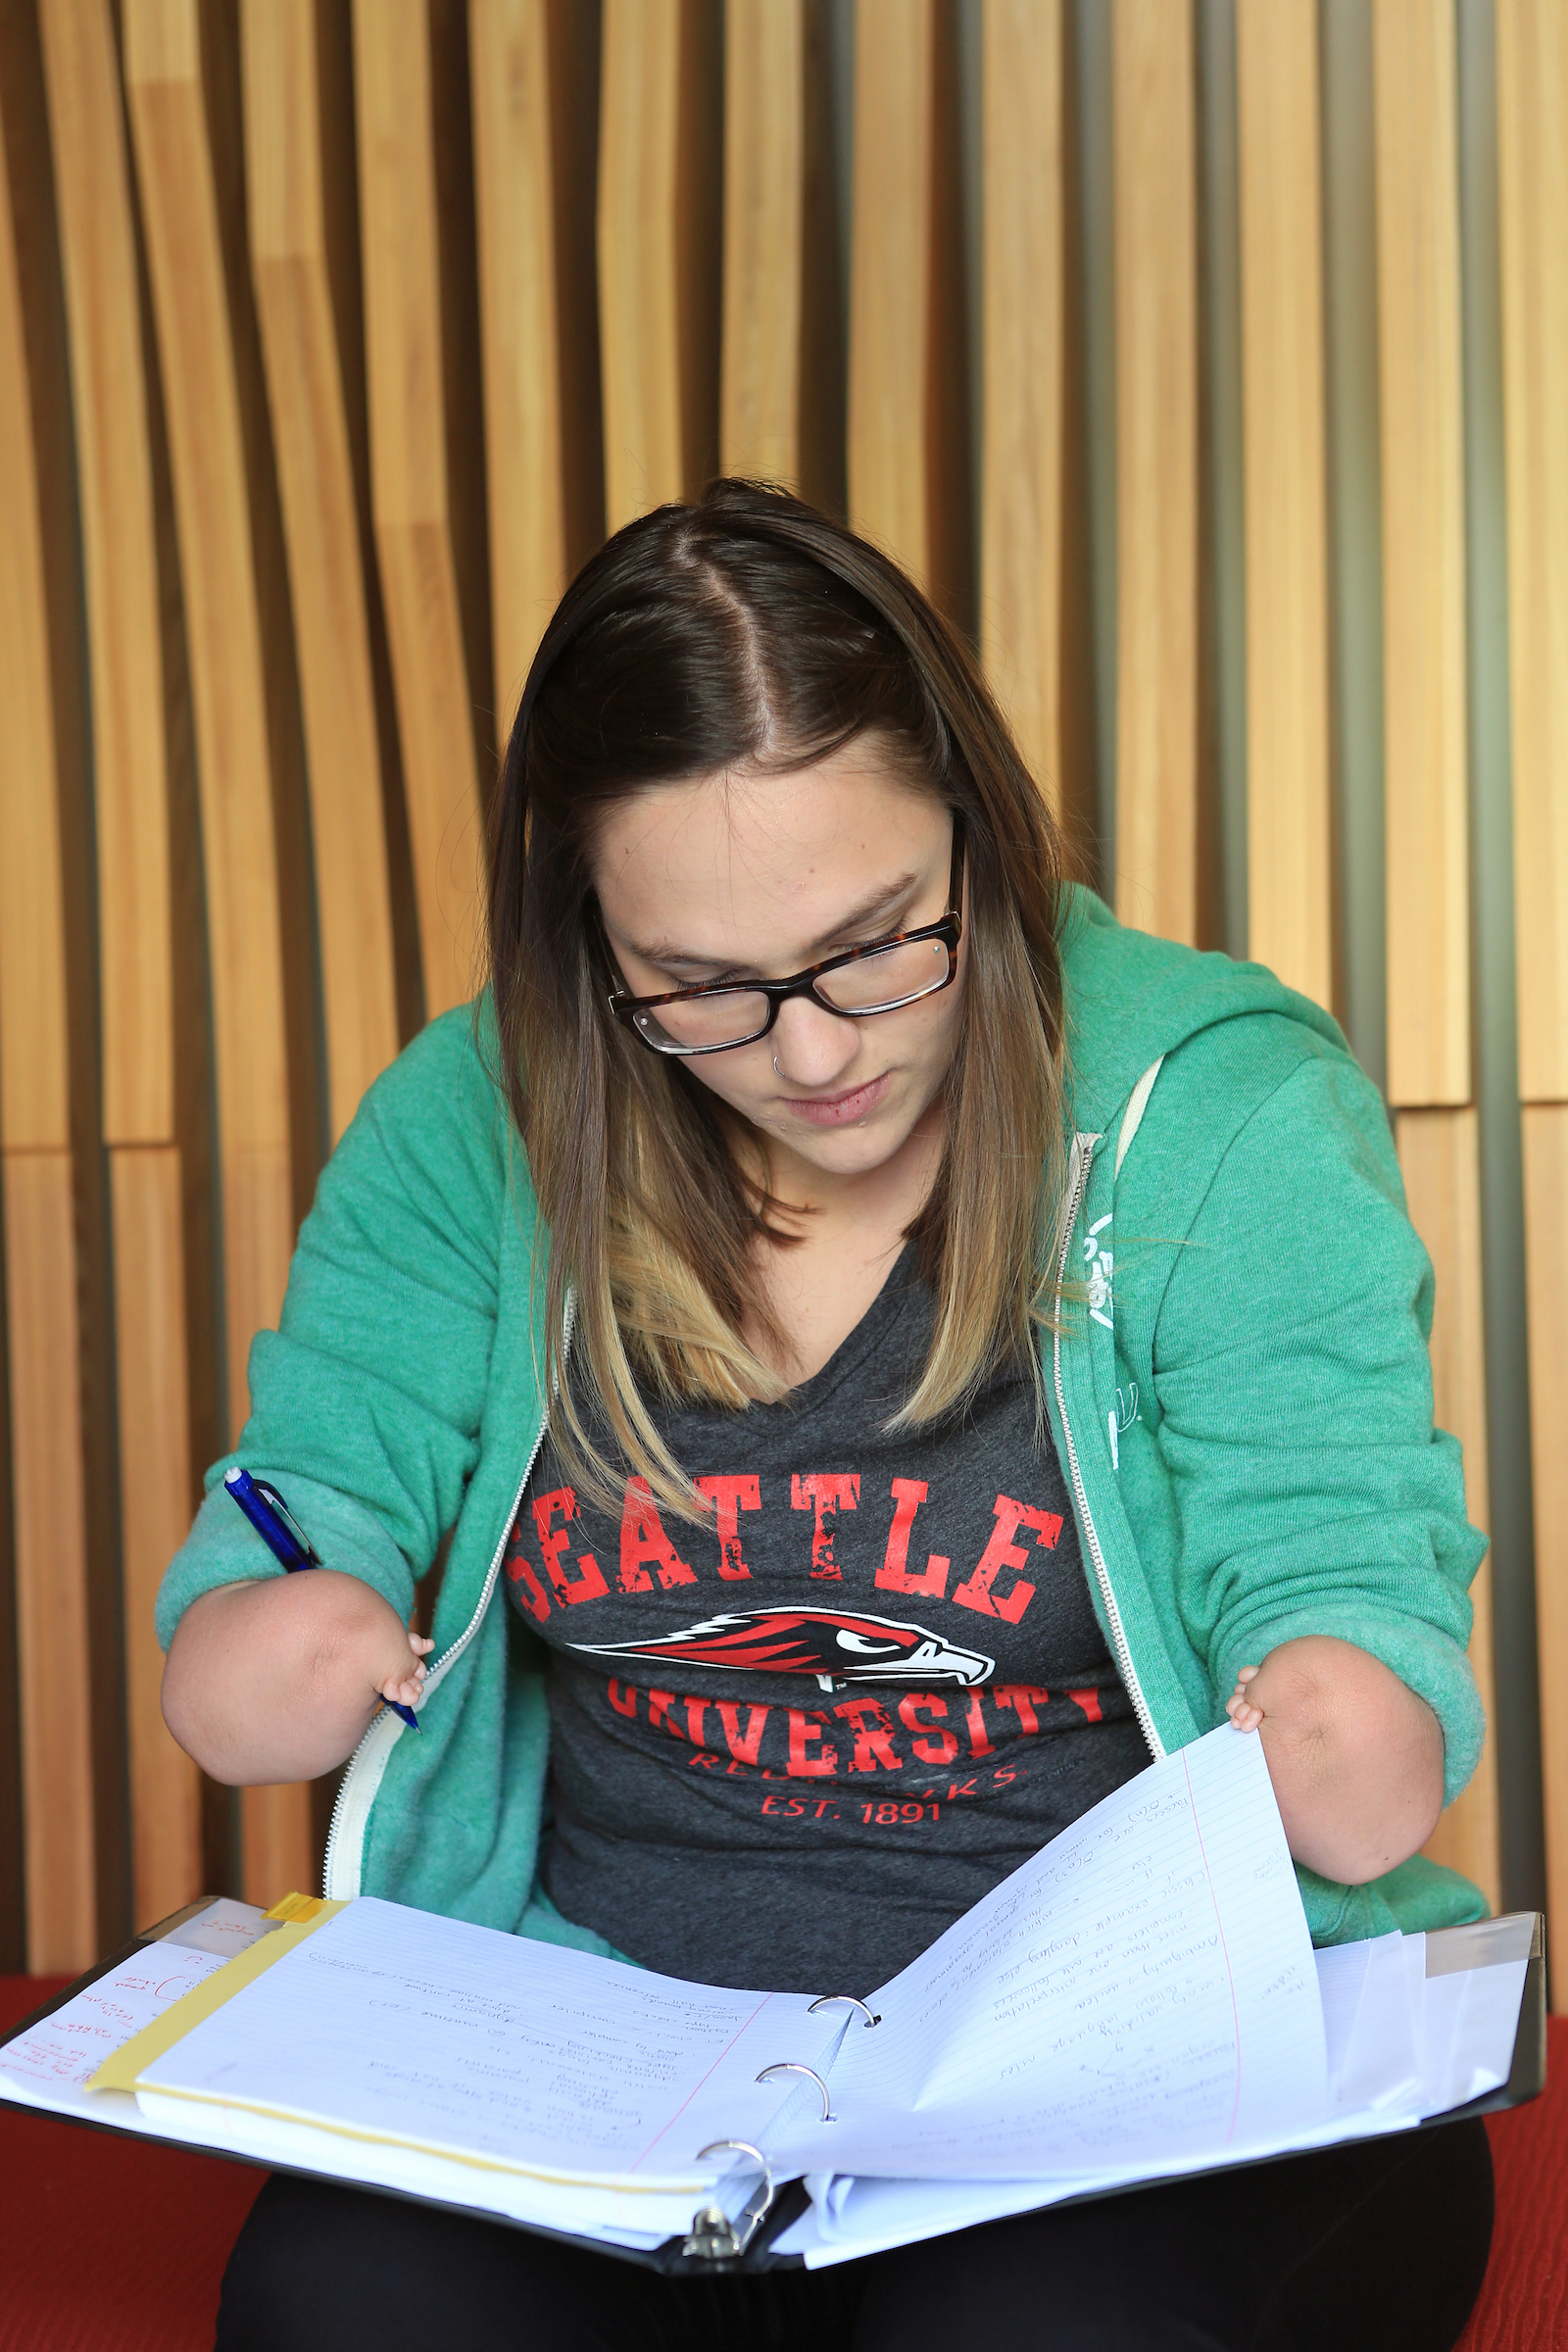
column 276, row 1680
column 365, row 1408
column 1355, row 1757
column 1322, row 1533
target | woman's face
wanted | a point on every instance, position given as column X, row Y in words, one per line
column 750, row 875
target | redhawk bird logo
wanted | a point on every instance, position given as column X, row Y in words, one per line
column 824, row 1643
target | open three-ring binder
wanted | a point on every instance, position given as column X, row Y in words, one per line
column 1139, row 2001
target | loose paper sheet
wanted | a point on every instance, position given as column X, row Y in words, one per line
column 1372, row 2021
column 1401, row 2043
column 1144, row 1984
column 50, row 2064
column 491, row 2048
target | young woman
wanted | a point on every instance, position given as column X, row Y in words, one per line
column 886, row 1350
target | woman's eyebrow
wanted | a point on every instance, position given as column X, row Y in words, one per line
column 871, row 910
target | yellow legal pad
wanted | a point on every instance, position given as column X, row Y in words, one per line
column 302, row 1914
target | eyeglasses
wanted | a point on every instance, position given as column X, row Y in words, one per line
column 880, row 978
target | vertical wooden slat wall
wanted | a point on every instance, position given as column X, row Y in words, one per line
column 1421, row 400
column 1162, row 860
column 301, row 219
column 1290, row 880
column 765, row 239
column 333, row 336
column 532, row 70
column 908, row 446
column 781, row 404
column 660, row 165
column 1025, row 589
column 136, row 906
column 43, row 1051
column 411, row 85
column 1533, row 192
column 1426, row 761
column 178, row 76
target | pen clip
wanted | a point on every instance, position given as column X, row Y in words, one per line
column 274, row 1502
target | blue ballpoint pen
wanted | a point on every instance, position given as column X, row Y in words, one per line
column 264, row 1506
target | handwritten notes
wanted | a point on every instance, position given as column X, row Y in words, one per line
column 49, row 2064
column 1143, row 1989
column 438, row 2035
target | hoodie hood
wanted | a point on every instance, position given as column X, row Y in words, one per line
column 1132, row 999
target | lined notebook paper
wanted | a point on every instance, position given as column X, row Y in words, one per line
column 395, row 2025
column 1142, row 1988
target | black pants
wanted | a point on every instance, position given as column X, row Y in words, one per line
column 1378, row 2246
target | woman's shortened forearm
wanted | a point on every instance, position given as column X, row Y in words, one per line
column 276, row 1680
column 1355, row 1757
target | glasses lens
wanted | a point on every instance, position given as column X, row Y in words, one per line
column 691, row 1023
column 893, row 976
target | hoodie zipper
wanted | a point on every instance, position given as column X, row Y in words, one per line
column 1083, row 1147
column 384, row 1725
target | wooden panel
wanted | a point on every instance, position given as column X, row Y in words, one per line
column 409, row 68
column 1290, row 889
column 781, row 416
column 1533, row 202
column 298, row 160
column 130, row 780
column 1439, row 1155
column 34, row 1014
column 236, row 630
column 1024, row 441
column 535, row 91
column 1545, row 1160
column 12, row 1907
column 213, row 494
column 155, row 1504
column 1160, row 881
column 42, row 1046
column 1421, row 396
column 53, row 1631
column 109, row 399
column 659, row 250
column 907, row 427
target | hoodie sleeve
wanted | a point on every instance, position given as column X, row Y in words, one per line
column 365, row 1402
column 1295, row 1389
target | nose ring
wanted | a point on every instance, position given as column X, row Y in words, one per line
column 777, row 1072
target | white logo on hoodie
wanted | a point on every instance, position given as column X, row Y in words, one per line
column 1100, row 1265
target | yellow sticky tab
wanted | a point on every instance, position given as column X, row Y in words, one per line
column 296, row 1907
column 121, row 2069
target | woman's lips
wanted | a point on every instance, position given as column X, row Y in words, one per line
column 839, row 1111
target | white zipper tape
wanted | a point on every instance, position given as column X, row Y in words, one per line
column 363, row 1776
column 1083, row 1153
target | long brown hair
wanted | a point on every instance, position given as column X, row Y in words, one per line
column 748, row 629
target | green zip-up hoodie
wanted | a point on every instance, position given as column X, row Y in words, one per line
column 1238, row 1391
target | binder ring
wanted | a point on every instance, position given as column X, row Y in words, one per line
column 713, row 2236
column 826, row 2000
column 793, row 2066
column 745, row 2148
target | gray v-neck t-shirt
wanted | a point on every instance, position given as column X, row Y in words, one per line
column 793, row 1744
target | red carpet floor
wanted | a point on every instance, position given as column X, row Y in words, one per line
column 109, row 2245
column 1524, row 2304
